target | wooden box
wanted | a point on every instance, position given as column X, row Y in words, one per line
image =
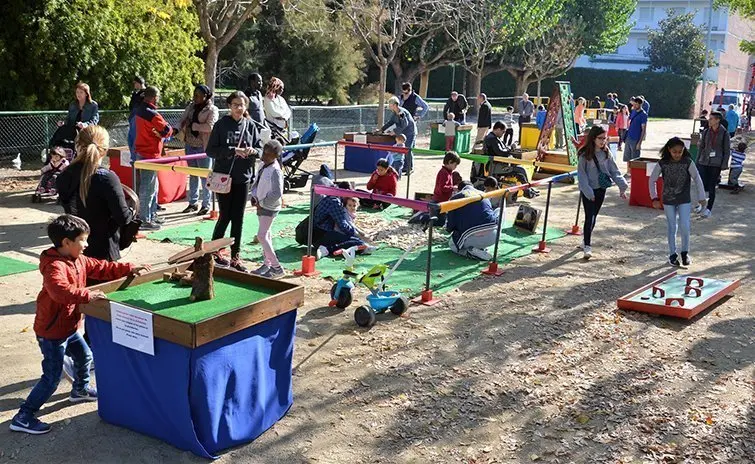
column 286, row 297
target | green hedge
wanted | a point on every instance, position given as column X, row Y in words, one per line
column 670, row 95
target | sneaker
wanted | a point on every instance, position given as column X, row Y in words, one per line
column 190, row 209
column 237, row 265
column 158, row 220
column 203, row 211
column 275, row 273
column 221, row 260
column 698, row 209
column 479, row 253
column 149, row 226
column 89, row 394
column 160, row 208
column 68, row 371
column 587, row 252
column 261, row 271
column 674, row 260
column 686, row 261
column 321, row 253
column 28, row 424
column 705, row 214
column 368, row 250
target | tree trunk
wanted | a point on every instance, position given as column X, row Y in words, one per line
column 211, row 65
column 522, row 83
column 424, row 80
column 381, row 94
column 475, row 88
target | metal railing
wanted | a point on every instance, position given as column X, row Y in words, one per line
column 29, row 132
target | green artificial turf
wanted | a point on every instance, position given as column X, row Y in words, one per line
column 10, row 266
column 449, row 270
column 172, row 300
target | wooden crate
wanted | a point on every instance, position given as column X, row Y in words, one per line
column 288, row 297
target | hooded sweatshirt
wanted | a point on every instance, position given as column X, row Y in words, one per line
column 64, row 288
column 227, row 134
column 268, row 187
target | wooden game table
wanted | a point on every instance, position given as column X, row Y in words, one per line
column 221, row 370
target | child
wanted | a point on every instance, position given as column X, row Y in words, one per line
column 737, row 163
column 449, row 128
column 444, row 184
column 678, row 172
column 395, row 159
column 267, row 196
column 490, row 184
column 65, row 270
column 622, row 122
column 58, row 162
column 383, row 181
column 540, row 117
column 703, row 120
column 350, row 206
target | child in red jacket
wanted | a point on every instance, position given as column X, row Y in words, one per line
column 64, row 271
column 383, row 181
column 444, row 181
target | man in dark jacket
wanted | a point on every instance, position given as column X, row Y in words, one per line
column 137, row 96
column 483, row 117
column 456, row 104
column 713, row 157
column 412, row 102
column 256, row 107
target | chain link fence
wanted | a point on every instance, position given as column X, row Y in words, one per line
column 29, row 132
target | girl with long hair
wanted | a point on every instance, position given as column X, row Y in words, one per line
column 83, row 111
column 596, row 170
column 95, row 194
column 234, row 146
column 679, row 172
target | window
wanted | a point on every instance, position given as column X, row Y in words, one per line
column 646, row 14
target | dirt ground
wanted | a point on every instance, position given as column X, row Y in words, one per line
column 537, row 365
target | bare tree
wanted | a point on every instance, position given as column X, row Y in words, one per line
column 219, row 21
column 423, row 54
column 386, row 26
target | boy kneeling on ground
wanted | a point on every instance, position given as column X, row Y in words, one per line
column 473, row 227
column 65, row 271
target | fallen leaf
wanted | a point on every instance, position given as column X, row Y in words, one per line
column 25, row 329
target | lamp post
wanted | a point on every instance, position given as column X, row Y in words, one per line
column 705, row 66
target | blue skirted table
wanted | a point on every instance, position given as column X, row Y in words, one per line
column 220, row 375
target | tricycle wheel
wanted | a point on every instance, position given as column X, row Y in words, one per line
column 364, row 316
column 400, row 306
column 344, row 297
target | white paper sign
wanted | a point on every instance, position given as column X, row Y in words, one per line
column 125, row 158
column 132, row 328
column 360, row 138
column 441, row 129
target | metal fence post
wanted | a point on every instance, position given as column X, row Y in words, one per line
column 47, row 131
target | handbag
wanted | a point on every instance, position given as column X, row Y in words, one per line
column 604, row 180
column 220, row 182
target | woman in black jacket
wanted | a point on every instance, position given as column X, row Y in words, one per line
column 235, row 146
column 95, row 194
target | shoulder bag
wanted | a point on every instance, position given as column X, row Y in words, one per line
column 604, row 180
column 220, row 182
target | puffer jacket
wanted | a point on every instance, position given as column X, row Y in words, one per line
column 64, row 289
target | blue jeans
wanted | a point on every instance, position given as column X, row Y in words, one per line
column 195, row 181
column 334, row 240
column 147, row 194
column 131, row 137
column 398, row 166
column 630, row 149
column 52, row 367
column 683, row 211
column 409, row 158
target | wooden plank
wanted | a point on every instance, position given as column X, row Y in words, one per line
column 242, row 318
column 244, row 277
column 128, row 281
column 189, row 253
column 556, row 158
column 172, row 330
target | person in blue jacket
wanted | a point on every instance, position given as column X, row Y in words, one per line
column 732, row 117
column 83, row 111
column 404, row 123
column 473, row 227
column 413, row 102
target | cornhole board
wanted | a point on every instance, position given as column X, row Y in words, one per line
column 674, row 295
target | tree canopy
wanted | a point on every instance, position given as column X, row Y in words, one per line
column 678, row 46
column 104, row 43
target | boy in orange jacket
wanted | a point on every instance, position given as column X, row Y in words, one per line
column 64, row 271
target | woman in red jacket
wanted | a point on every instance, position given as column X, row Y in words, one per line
column 383, row 182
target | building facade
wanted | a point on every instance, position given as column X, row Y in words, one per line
column 733, row 70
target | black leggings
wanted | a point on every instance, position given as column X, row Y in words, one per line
column 592, row 208
column 232, row 205
column 710, row 176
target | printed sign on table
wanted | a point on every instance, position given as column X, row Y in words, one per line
column 132, row 328
column 360, row 138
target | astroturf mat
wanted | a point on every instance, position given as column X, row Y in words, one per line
column 170, row 299
column 10, row 266
column 449, row 270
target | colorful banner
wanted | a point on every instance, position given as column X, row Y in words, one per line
column 567, row 113
column 551, row 118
